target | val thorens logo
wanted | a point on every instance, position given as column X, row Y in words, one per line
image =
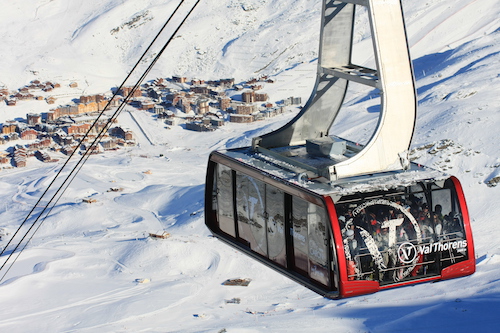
column 407, row 253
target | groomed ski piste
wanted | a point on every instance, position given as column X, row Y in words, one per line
column 94, row 268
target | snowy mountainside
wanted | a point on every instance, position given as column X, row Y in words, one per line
column 97, row 42
column 93, row 268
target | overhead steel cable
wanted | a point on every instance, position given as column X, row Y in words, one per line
column 74, row 171
column 96, row 121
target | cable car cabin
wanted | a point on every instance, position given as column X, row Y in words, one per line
column 340, row 238
column 339, row 218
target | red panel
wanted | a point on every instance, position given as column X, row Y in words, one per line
column 347, row 288
column 465, row 267
column 407, row 283
column 356, row 288
column 460, row 269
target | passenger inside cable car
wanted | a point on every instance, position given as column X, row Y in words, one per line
column 397, row 237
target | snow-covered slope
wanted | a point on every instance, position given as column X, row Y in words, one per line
column 96, row 42
column 82, row 270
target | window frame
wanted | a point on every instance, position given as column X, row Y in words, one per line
column 330, row 282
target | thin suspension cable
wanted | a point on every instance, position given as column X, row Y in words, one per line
column 93, row 125
column 71, row 176
column 89, row 151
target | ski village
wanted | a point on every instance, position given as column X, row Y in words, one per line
column 195, row 104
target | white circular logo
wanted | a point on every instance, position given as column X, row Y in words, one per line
column 407, row 253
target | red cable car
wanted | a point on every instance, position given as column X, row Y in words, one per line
column 341, row 239
column 340, row 218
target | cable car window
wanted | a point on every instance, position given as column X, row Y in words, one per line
column 402, row 237
column 310, row 240
column 275, row 209
column 250, row 207
column 383, row 237
column 224, row 200
column 416, row 189
column 318, row 244
column 451, row 240
column 299, row 234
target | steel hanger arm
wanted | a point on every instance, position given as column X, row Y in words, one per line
column 393, row 76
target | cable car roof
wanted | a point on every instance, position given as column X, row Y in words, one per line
column 288, row 165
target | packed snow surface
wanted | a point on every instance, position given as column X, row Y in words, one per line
column 93, row 268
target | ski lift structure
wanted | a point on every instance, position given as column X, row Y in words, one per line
column 340, row 218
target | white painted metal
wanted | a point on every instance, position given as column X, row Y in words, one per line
column 387, row 148
column 322, row 108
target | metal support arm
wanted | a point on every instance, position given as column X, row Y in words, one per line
column 393, row 76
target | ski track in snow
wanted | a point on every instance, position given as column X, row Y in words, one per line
column 141, row 129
